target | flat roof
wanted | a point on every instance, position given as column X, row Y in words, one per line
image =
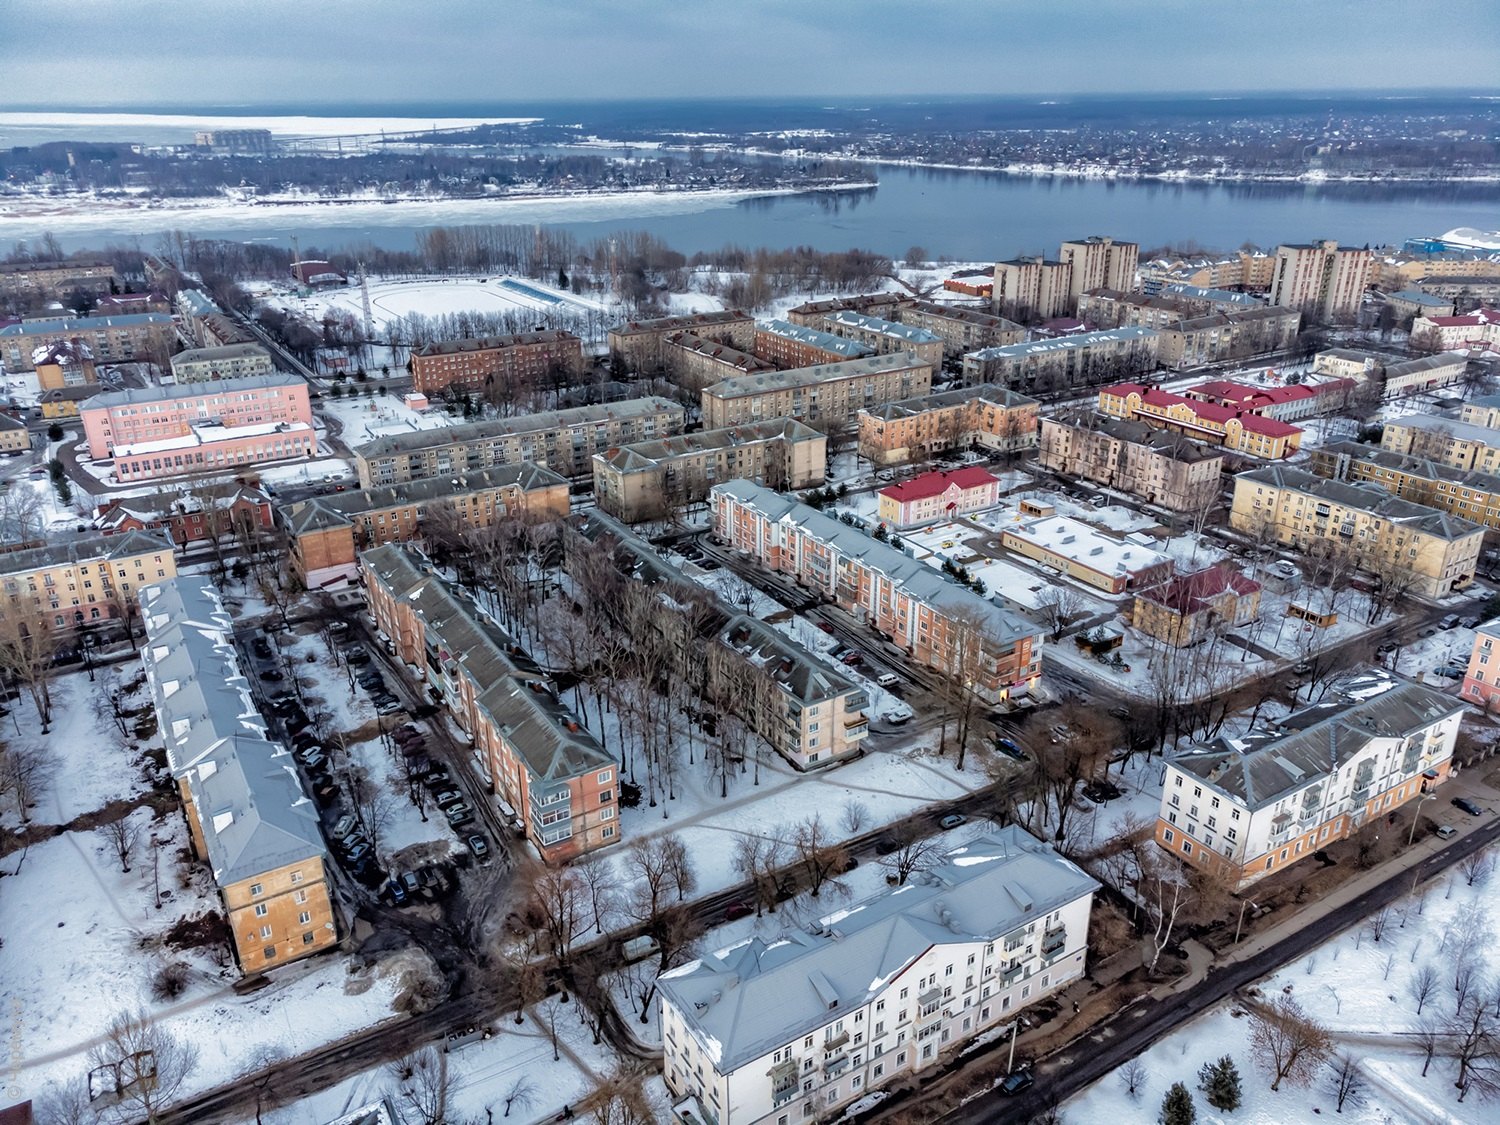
column 1086, row 545
column 168, row 392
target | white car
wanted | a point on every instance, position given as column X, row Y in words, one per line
column 898, row 714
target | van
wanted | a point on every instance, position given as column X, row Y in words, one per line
column 888, row 679
column 638, row 949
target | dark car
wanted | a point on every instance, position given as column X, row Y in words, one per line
column 1015, row 1083
column 396, row 893
column 1006, row 746
column 357, row 655
column 737, row 910
column 1467, row 806
column 272, row 674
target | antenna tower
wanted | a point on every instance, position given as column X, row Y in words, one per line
column 364, row 296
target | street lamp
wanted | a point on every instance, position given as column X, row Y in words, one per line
column 1241, row 922
column 1417, row 815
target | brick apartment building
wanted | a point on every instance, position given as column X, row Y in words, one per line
column 829, row 395
column 640, row 344
column 650, row 479
column 565, row 441
column 213, row 512
column 1068, row 361
column 521, row 359
column 541, row 759
column 1188, row 607
column 985, row 417
column 1467, row 493
column 36, row 280
column 810, row 314
column 1224, row 336
column 884, row 337
column 788, row 346
column 227, row 426
column 1321, row 280
column 962, row 330
column 912, row 603
column 64, row 363
column 1160, row 467
column 694, row 363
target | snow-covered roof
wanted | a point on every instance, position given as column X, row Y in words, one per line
column 132, row 396
column 741, row 386
column 1086, row 546
column 752, row 998
column 1064, row 343
column 50, row 326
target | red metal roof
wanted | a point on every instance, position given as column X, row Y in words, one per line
column 935, row 484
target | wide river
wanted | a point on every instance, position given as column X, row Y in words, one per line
column 959, row 214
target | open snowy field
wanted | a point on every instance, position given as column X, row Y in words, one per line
column 438, row 296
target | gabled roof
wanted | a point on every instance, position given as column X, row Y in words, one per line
column 1189, row 593
column 942, row 400
column 752, row 998
column 1369, row 498
column 396, row 444
column 87, row 550
column 341, row 508
column 938, row 482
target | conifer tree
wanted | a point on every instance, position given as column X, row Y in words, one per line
column 1177, row 1107
column 1220, row 1083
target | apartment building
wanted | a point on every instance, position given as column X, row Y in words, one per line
column 1404, row 269
column 1438, row 552
column 694, row 363
column 884, row 337
column 1227, row 336
column 988, row 417
column 1248, row 269
column 1028, row 289
column 787, row 345
column 163, row 431
column 1465, row 293
column 1320, row 280
column 808, row 710
column 565, row 441
column 521, row 359
column 1247, row 433
column 1481, row 685
column 1205, row 299
column 908, row 601
column 236, row 361
column 248, row 817
column 1406, row 304
column 64, row 363
column 1468, row 493
column 1098, row 263
column 1288, row 403
column 1187, row 607
column 810, row 314
column 650, row 479
column 88, row 580
column 538, row 756
column 770, row 1032
column 1478, row 331
column 1159, row 466
column 1246, row 807
column 1413, row 376
column 212, row 513
column 1110, row 308
column 1068, row 361
column 639, row 344
column 14, row 436
column 1082, row 552
column 65, row 402
column 111, row 339
column 1349, row 363
column 936, row 496
column 1468, row 446
column 960, row 329
column 127, row 304
column 35, row 280
column 828, row 395
column 326, row 533
column 1482, row 410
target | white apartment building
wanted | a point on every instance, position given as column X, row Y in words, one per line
column 790, row 1031
column 1249, row 806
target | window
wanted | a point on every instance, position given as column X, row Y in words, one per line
column 265, row 931
column 270, row 952
column 260, row 910
column 304, row 918
column 1168, row 835
column 608, row 833
column 607, row 814
column 307, row 939
column 606, row 776
column 256, row 889
column 296, row 876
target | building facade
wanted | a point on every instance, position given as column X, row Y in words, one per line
column 1414, row 376
column 1027, row 289
column 326, row 533
column 986, row 417
column 1097, row 262
column 88, row 581
column 565, row 441
column 1227, row 336
column 883, row 337
column 828, row 396
column 164, row 431
column 1481, row 685
column 521, row 359
column 237, row 361
column 1068, row 361
column 787, row 345
column 694, row 363
column 1467, row 493
column 538, row 756
column 1468, row 446
column 1322, row 281
column 961, row 330
column 638, row 344
column 934, row 619
column 810, row 314
column 64, row 363
column 651, row 479
column 1283, row 792
column 14, row 436
column 1437, row 553
column 1079, row 551
column 795, row 1029
column 248, row 816
column 1286, row 403
column 36, row 280
column 1160, row 467
column 205, row 515
column 1189, row 607
column 110, row 339
column 1478, row 331
column 937, row 496
column 1248, row 432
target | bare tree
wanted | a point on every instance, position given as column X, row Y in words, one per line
column 23, row 771
column 520, row 1095
column 526, row 978
column 1288, row 1042
column 760, row 859
column 1346, row 1080
column 856, row 815
column 1058, row 607
column 27, row 645
column 1378, row 922
column 1477, row 867
column 67, row 1104
column 912, row 853
column 423, row 1085
column 1473, row 1037
column 1163, row 891
column 1133, row 1076
column 598, row 878
column 1429, row 1036
column 620, row 1099
column 546, row 1014
column 1421, row 984
column 121, row 836
column 144, row 1064
column 819, row 853
column 558, row 898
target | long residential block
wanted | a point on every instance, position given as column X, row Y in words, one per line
column 1243, row 431
column 89, row 579
column 640, row 345
column 961, row 329
column 694, row 363
column 886, row 336
column 1453, row 442
column 1228, row 335
column 538, row 755
column 1468, row 493
column 788, row 345
column 988, row 417
column 474, row 365
column 919, row 608
column 1242, row 808
column 651, row 479
column 1067, row 361
column 248, row 816
column 829, row 395
column 563, row 440
column 1159, row 466
column 796, row 1026
column 111, row 339
column 235, row 361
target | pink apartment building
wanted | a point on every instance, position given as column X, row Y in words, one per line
column 195, row 428
column 1482, row 678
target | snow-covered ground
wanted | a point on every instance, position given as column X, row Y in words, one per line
column 364, row 419
column 392, row 299
column 1360, row 989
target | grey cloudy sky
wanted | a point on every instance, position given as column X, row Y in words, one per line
column 217, row 52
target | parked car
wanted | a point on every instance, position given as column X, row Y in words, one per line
column 887, row 679
column 296, row 721
column 952, row 820
column 459, row 814
column 1016, row 1082
column 444, row 797
column 357, row 655
column 314, row 762
column 344, row 827
column 1467, row 806
column 307, row 753
column 389, row 707
column 370, row 680
column 737, row 910
column 1120, row 711
column 357, row 855
column 395, row 892
column 261, row 648
column 438, row 780
column 1008, row 747
column 1446, row 831
column 478, row 846
column 1449, row 621
column 898, row 714
column 273, row 675
column 854, row 658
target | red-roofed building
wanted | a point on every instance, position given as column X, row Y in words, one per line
column 1478, row 331
column 1243, row 431
column 1185, row 609
column 316, row 274
column 941, row 495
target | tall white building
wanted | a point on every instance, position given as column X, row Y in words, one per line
column 792, row 1030
column 1320, row 280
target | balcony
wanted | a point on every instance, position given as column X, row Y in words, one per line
column 831, row 1045
column 1011, row 975
column 1054, row 940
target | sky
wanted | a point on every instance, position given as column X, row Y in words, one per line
column 63, row 53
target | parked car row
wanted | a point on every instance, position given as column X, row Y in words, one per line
column 373, row 682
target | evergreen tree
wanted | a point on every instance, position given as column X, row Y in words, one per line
column 1220, row 1083
column 1177, row 1107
